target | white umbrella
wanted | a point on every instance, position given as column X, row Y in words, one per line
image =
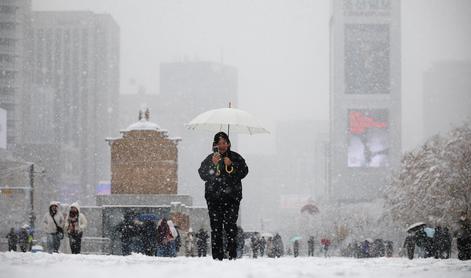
column 227, row 119
column 266, row 234
column 415, row 226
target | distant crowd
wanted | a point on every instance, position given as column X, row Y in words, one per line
column 161, row 237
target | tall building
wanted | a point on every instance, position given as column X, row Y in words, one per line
column 14, row 28
column 365, row 103
column 75, row 74
column 447, row 96
column 186, row 90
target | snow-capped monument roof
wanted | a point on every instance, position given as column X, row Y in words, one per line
column 144, row 123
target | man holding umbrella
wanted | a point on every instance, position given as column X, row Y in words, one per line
column 222, row 172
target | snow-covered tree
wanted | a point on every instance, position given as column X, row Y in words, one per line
column 434, row 181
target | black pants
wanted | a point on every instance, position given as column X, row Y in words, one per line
column 201, row 251
column 12, row 247
column 75, row 243
column 410, row 252
column 464, row 248
column 223, row 219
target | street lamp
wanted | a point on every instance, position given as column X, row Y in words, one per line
column 31, row 196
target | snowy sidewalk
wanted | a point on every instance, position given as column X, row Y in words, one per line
column 41, row 265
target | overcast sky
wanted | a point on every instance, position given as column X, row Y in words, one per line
column 280, row 47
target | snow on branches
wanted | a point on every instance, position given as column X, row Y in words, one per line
column 433, row 183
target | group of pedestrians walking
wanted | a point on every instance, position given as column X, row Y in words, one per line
column 56, row 227
column 22, row 238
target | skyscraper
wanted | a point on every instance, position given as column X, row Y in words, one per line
column 75, row 62
column 14, row 25
column 365, row 104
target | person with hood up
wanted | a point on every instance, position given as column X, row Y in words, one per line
column 222, row 172
column 75, row 225
column 12, row 240
column 53, row 226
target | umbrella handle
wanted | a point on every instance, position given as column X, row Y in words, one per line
column 232, row 170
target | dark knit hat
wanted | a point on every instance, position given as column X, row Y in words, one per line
column 220, row 135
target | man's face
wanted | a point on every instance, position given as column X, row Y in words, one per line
column 222, row 145
column 54, row 208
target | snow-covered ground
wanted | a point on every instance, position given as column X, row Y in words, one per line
column 39, row 265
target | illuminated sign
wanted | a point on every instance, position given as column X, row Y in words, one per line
column 368, row 138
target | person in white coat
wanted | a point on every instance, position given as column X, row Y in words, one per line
column 75, row 225
column 53, row 226
column 175, row 235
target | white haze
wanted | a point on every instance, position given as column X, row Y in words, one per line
column 281, row 51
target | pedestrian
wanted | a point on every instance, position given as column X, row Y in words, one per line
column 149, row 236
column 202, row 242
column 222, row 172
column 75, row 225
column 278, row 246
column 389, row 248
column 127, row 230
column 310, row 246
column 175, row 242
column 190, row 244
column 53, row 226
column 447, row 245
column 262, row 244
column 463, row 237
column 240, row 242
column 270, row 248
column 325, row 243
column 254, row 244
column 12, row 240
column 296, row 248
column 409, row 245
column 23, row 236
column 164, row 238
column 421, row 240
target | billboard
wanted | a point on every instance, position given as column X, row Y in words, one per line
column 368, row 138
column 103, row 188
column 3, row 128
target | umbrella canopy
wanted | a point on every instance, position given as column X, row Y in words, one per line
column 266, row 235
column 227, row 119
column 310, row 208
column 293, row 239
column 416, row 226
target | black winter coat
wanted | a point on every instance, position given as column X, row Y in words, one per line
column 226, row 186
